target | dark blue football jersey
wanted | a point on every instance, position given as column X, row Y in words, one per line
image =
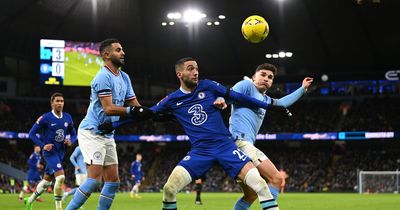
column 201, row 120
column 53, row 130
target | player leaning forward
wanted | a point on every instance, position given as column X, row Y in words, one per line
column 192, row 105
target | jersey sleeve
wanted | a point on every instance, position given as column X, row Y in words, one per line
column 288, row 100
column 218, row 89
column 71, row 130
column 102, row 85
column 39, row 125
column 133, row 165
column 32, row 161
column 162, row 105
column 130, row 94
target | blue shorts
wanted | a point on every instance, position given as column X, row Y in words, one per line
column 137, row 180
column 199, row 160
column 53, row 161
column 33, row 177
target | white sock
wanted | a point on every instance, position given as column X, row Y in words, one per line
column 39, row 189
column 58, row 192
column 178, row 179
column 258, row 184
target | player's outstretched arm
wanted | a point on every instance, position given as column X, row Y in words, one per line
column 296, row 95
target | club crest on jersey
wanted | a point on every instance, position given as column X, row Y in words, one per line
column 201, row 95
column 65, row 124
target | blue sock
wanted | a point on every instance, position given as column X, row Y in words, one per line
column 72, row 192
column 274, row 191
column 241, row 205
column 107, row 195
column 83, row 193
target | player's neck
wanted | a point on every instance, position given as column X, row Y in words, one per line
column 112, row 68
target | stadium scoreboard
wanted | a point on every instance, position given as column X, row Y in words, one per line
column 52, row 57
column 68, row 63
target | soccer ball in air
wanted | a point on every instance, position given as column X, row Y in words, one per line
column 255, row 29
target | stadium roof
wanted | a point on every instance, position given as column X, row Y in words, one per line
column 324, row 35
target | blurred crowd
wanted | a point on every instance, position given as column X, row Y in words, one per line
column 311, row 166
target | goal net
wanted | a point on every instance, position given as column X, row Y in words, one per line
column 378, row 181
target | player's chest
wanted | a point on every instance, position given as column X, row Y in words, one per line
column 119, row 88
column 201, row 101
column 55, row 125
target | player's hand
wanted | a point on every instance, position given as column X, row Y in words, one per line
column 67, row 142
column 106, row 127
column 143, row 178
column 78, row 168
column 220, row 103
column 141, row 112
column 39, row 166
column 133, row 176
column 48, row 147
column 307, row 82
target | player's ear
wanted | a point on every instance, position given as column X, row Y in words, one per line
column 179, row 74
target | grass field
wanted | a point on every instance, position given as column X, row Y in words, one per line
column 225, row 201
column 77, row 73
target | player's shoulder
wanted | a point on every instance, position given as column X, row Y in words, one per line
column 245, row 82
column 102, row 74
column 67, row 115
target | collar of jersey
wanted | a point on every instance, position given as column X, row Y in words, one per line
column 184, row 91
column 109, row 69
column 55, row 115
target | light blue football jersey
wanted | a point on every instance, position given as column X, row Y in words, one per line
column 106, row 83
column 244, row 122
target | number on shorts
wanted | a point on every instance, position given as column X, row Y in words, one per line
column 238, row 153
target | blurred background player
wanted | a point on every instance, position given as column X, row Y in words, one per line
column 136, row 175
column 33, row 175
column 76, row 159
column 111, row 88
column 53, row 128
column 245, row 123
column 198, row 187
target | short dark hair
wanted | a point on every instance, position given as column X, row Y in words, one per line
column 267, row 66
column 181, row 61
column 54, row 95
column 105, row 44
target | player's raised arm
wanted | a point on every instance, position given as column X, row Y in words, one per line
column 288, row 100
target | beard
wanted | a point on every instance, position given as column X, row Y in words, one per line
column 189, row 83
column 117, row 62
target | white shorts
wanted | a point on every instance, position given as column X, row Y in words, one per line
column 80, row 179
column 97, row 149
column 256, row 155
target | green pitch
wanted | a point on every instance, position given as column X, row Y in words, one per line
column 79, row 70
column 225, row 201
